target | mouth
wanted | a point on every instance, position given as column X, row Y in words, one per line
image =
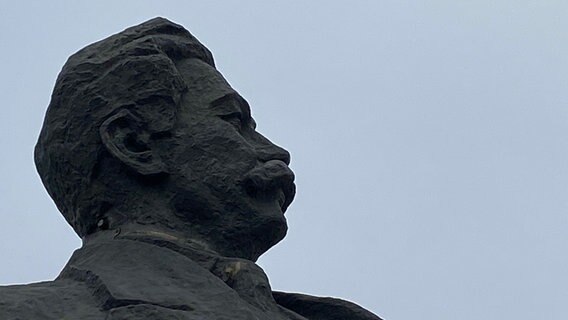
column 273, row 180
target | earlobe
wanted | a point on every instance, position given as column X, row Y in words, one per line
column 125, row 138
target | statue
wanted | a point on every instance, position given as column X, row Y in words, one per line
column 154, row 161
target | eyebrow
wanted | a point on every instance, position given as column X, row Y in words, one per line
column 234, row 97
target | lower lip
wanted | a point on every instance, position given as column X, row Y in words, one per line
column 281, row 198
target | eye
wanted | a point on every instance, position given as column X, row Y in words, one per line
column 235, row 119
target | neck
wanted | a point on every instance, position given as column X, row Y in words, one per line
column 150, row 233
column 159, row 221
column 157, row 234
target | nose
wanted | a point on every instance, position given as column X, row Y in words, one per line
column 266, row 151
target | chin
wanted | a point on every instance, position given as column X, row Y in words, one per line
column 270, row 228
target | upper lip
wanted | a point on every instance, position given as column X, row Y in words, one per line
column 270, row 177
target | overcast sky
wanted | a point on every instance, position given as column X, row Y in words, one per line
column 429, row 141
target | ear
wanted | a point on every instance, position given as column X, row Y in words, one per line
column 125, row 138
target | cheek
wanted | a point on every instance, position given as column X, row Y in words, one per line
column 224, row 148
column 219, row 161
column 213, row 153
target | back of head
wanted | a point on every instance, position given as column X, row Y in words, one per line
column 133, row 70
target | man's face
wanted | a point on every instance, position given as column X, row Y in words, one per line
column 231, row 184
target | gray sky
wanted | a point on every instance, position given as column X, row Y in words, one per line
column 429, row 140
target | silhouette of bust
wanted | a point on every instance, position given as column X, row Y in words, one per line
column 155, row 162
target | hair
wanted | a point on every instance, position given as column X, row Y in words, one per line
column 135, row 70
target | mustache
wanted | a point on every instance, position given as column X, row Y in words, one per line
column 270, row 177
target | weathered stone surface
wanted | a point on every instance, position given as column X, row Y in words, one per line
column 155, row 162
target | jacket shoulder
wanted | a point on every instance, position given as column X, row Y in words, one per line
column 47, row 300
column 322, row 308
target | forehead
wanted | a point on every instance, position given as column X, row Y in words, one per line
column 204, row 83
column 208, row 91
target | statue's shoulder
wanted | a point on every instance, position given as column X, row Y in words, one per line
column 322, row 308
column 60, row 299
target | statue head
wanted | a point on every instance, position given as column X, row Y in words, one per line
column 142, row 130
